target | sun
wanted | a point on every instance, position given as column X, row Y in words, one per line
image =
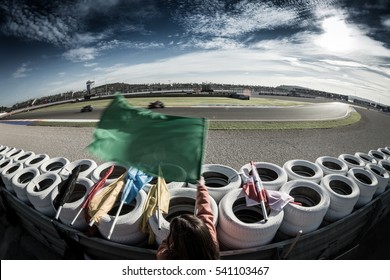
column 337, row 36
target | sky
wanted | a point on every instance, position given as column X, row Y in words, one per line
column 53, row 46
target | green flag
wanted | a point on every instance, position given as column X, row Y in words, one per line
column 146, row 140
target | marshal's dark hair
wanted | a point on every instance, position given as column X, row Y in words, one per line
column 190, row 239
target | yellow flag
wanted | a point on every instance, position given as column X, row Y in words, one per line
column 158, row 198
column 103, row 202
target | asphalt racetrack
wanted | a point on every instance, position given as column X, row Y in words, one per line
column 315, row 111
column 234, row 148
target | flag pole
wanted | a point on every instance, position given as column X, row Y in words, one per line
column 58, row 212
column 115, row 220
column 158, row 197
column 259, row 189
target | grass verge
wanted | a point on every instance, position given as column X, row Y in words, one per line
column 352, row 118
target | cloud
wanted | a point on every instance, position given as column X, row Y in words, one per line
column 386, row 22
column 81, row 54
column 22, row 71
column 214, row 18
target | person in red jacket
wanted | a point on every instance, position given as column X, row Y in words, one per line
column 192, row 237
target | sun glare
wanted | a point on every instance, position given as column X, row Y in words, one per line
column 337, row 36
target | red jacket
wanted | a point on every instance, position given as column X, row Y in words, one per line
column 203, row 212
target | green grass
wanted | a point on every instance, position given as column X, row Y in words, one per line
column 352, row 118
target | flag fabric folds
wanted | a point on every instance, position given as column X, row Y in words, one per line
column 65, row 190
column 102, row 202
column 146, row 140
column 135, row 180
column 157, row 200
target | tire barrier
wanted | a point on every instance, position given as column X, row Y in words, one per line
column 332, row 165
column 182, row 201
column 386, row 165
column 343, row 193
column 366, row 182
column 127, row 227
column 73, row 206
column 8, row 172
column 39, row 192
column 53, row 165
column 347, row 182
column 242, row 226
column 385, row 151
column 13, row 153
column 220, row 179
column 381, row 175
column 309, row 215
column 170, row 185
column 24, row 156
column 377, row 155
column 20, row 181
column 352, row 161
column 99, row 172
column 36, row 161
column 87, row 166
column 298, row 169
column 366, row 158
column 271, row 175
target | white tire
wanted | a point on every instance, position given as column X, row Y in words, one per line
column 170, row 185
column 366, row 158
column 24, row 156
column 8, row 172
column 53, row 165
column 298, row 169
column 4, row 163
column 332, row 165
column 381, row 175
column 343, row 193
column 366, row 182
column 98, row 172
column 36, row 161
column 217, row 181
column 3, row 150
column 182, row 201
column 13, row 153
column 39, row 192
column 377, row 155
column 73, row 206
column 127, row 228
column 308, row 216
column 386, row 165
column 385, row 151
column 245, row 226
column 272, row 176
column 21, row 180
column 352, row 161
column 8, row 150
column 87, row 166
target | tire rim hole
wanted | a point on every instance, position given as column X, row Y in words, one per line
column 303, row 171
column 377, row 156
column 83, row 167
column 363, row 178
column 340, row 187
column 247, row 214
column 43, row 185
column 215, row 179
column 386, row 166
column 179, row 206
column 351, row 160
column 12, row 170
column 267, row 175
column 36, row 160
column 331, row 165
column 24, row 157
column 306, row 196
column 4, row 163
column 377, row 172
column 26, row 178
column 54, row 166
